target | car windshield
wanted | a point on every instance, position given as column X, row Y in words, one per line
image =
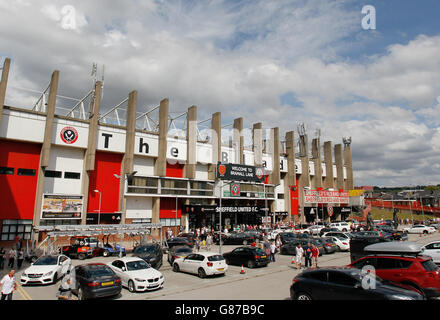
column 429, row 265
column 259, row 251
column 183, row 250
column 146, row 249
column 137, row 265
column 217, row 257
column 47, row 260
column 99, row 271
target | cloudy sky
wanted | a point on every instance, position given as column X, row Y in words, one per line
column 282, row 62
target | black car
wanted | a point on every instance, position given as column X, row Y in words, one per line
column 328, row 244
column 190, row 236
column 237, row 238
column 346, row 284
column 178, row 252
column 289, row 248
column 247, row 256
column 287, row 237
column 178, row 241
column 151, row 253
column 256, row 234
column 95, row 280
column 392, row 233
column 216, row 236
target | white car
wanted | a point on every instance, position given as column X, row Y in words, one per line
column 46, row 269
column 342, row 243
column 316, row 229
column 433, row 250
column 202, row 264
column 136, row 274
column 341, row 226
column 419, row 228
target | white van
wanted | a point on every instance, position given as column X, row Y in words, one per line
column 341, row 226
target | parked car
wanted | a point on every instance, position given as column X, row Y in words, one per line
column 80, row 247
column 287, row 237
column 435, row 225
column 238, row 238
column 136, row 274
column 342, row 243
column 316, row 229
column 256, row 234
column 107, row 249
column 432, row 249
column 202, row 264
column 190, row 236
column 393, row 234
column 247, row 256
column 178, row 252
column 344, row 284
column 419, row 229
column 341, row 226
column 150, row 253
column 327, row 229
column 95, row 280
column 369, row 233
column 344, row 235
column 328, row 244
column 216, row 236
column 178, row 242
column 47, row 269
column 401, row 262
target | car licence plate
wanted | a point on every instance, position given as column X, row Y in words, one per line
column 263, row 256
column 221, row 269
column 107, row 283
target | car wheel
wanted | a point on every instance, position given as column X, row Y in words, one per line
column 176, row 267
column 105, row 253
column 251, row 264
column 425, row 232
column 227, row 261
column 245, row 242
column 81, row 295
column 55, row 278
column 416, row 288
column 303, row 296
column 81, row 256
column 131, row 286
column 201, row 273
column 159, row 265
column 344, row 230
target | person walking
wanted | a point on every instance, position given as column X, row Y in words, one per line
column 20, row 258
column 308, row 255
column 315, row 254
column 267, row 247
column 209, row 241
column 8, row 285
column 12, row 254
column 2, row 258
column 198, row 244
column 273, row 247
column 65, row 290
column 298, row 256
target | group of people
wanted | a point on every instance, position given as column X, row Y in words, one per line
column 310, row 254
column 204, row 243
column 11, row 257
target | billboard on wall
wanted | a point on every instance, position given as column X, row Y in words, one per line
column 56, row 206
column 238, row 172
column 314, row 196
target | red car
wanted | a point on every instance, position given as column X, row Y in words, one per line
column 418, row 272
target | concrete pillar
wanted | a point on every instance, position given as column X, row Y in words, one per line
column 274, row 177
column 238, row 139
column 45, row 149
column 257, row 137
column 155, row 215
column 304, row 180
column 90, row 153
column 316, row 153
column 160, row 166
column 128, row 158
column 3, row 85
column 339, row 167
column 290, row 177
column 216, row 130
column 348, row 161
column 191, row 146
column 328, row 159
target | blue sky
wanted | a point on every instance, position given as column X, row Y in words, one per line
column 281, row 63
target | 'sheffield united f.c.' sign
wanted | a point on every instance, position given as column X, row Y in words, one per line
column 69, row 135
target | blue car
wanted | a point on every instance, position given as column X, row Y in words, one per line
column 108, row 250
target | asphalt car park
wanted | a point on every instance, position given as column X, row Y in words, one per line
column 277, row 277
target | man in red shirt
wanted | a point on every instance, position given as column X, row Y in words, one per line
column 315, row 254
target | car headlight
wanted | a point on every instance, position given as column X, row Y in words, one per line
column 400, row 297
column 152, row 259
column 139, row 280
column 47, row 274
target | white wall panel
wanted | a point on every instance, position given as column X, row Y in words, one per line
column 267, row 158
column 143, row 165
column 202, row 172
column 228, row 155
column 324, row 173
column 249, row 158
column 111, row 139
column 176, row 151
column 22, row 126
column 204, row 153
column 298, row 166
column 139, row 208
column 146, row 144
column 81, row 132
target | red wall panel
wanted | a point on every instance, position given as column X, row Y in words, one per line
column 175, row 170
column 17, row 193
column 294, row 198
column 168, row 208
column 102, row 178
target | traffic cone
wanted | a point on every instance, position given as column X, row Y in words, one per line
column 242, row 270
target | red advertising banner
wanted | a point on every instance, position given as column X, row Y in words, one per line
column 314, row 196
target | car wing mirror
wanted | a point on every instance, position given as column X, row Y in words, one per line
column 124, row 269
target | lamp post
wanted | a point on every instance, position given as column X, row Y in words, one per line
column 99, row 210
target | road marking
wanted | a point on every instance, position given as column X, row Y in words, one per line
column 23, row 292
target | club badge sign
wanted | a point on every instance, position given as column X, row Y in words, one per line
column 235, row 189
column 229, row 171
column 69, row 135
